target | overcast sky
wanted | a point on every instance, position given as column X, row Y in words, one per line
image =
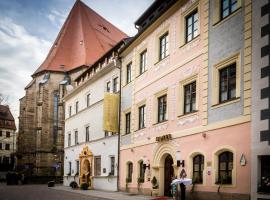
column 29, row 27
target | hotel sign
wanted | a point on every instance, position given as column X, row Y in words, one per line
column 164, row 138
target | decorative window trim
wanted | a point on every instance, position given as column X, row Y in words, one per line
column 192, row 8
column 191, row 156
column 236, row 58
column 157, row 42
column 216, row 18
column 181, row 97
column 155, row 106
column 215, row 168
column 124, row 73
column 139, row 51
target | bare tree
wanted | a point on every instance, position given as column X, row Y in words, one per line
column 4, row 99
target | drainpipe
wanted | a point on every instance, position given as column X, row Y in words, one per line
column 119, row 120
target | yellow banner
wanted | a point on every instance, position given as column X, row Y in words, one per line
column 110, row 112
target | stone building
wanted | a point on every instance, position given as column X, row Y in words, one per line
column 186, row 99
column 7, row 140
column 260, row 129
column 84, row 37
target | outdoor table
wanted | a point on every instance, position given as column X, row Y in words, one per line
column 183, row 182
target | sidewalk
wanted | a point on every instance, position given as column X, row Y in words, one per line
column 105, row 194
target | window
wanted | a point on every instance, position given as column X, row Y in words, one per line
column 227, row 83
column 55, row 109
column 225, row 167
column 112, row 165
column 127, row 123
column 77, row 166
column 70, row 111
column 97, row 166
column 228, row 7
column 192, row 26
column 115, row 85
column 7, row 134
column 143, row 61
column 142, row 171
column 69, row 139
column 129, row 73
column 5, row 160
column 76, row 137
column 1, row 134
column 77, row 106
column 164, row 46
column 129, row 172
column 69, row 168
column 190, row 97
column 88, row 100
column 0, row 146
column 198, row 167
column 108, row 86
column 141, row 117
column 162, row 108
column 265, row 174
column 87, row 137
column 7, row 147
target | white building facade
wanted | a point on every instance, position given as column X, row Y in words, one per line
column 91, row 153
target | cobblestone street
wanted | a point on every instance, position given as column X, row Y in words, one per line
column 39, row 192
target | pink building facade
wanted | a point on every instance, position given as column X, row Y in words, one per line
column 185, row 100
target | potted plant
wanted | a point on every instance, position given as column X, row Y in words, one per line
column 140, row 180
column 154, row 186
column 84, row 186
column 73, row 185
column 128, row 180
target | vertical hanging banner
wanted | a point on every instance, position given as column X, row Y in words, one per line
column 110, row 112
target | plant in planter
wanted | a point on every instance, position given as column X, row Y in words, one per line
column 128, row 180
column 84, row 186
column 51, row 184
column 73, row 185
column 154, row 183
column 140, row 180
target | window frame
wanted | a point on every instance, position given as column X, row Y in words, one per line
column 88, row 98
column 69, row 139
column 108, row 86
column 201, row 168
column 76, row 107
column 128, row 72
column 97, row 169
column 143, row 61
column 227, row 170
column 141, row 121
column 141, row 170
column 129, row 171
column 87, row 133
column 127, row 123
column 76, row 141
column 164, row 53
column 235, row 58
column 112, row 165
column 7, row 146
column 164, row 110
column 191, row 15
column 116, row 84
column 229, row 7
column 191, row 98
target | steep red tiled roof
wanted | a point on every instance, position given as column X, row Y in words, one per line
column 6, row 118
column 84, row 37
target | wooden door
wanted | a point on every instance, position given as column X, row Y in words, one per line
column 168, row 175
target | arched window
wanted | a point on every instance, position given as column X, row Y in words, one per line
column 198, row 167
column 141, row 171
column 129, row 172
column 225, row 167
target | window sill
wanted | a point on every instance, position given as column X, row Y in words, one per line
column 191, row 41
column 221, row 21
column 140, row 129
column 162, row 60
column 141, row 74
column 188, row 114
column 162, row 122
column 225, row 103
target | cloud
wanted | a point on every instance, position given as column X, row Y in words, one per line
column 20, row 54
column 56, row 18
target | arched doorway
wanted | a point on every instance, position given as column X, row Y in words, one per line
column 168, row 174
column 86, row 158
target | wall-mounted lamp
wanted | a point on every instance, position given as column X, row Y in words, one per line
column 146, row 163
column 178, row 160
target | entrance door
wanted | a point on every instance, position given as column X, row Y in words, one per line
column 168, row 175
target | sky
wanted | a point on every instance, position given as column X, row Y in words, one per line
column 29, row 27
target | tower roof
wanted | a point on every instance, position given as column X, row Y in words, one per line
column 84, row 37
